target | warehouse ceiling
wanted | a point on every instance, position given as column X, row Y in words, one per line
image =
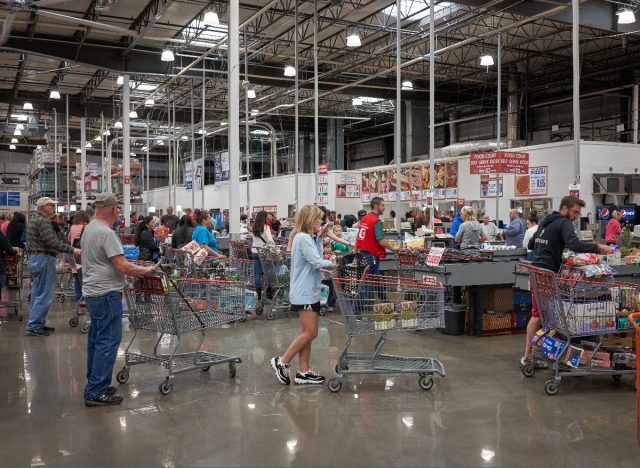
column 81, row 47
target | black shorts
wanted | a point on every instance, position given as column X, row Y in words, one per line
column 315, row 307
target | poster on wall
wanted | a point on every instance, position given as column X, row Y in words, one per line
column 534, row 184
column 366, row 187
column 426, row 180
column 415, row 179
column 383, row 184
column 268, row 208
column 322, row 197
column 347, row 191
column 488, row 186
column 440, row 176
column 348, row 179
column 198, row 174
column 188, row 175
column 221, row 162
column 439, row 194
column 13, row 198
column 452, row 174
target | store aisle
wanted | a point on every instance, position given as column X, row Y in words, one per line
column 484, row 413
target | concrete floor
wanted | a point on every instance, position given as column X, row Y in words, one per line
column 484, row 413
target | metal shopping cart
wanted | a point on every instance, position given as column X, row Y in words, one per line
column 377, row 305
column 276, row 266
column 241, row 248
column 634, row 320
column 176, row 309
column 14, row 281
column 576, row 314
column 64, row 278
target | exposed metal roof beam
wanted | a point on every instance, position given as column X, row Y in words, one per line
column 16, row 83
column 146, row 20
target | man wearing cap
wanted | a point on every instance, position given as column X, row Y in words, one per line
column 361, row 214
column 43, row 246
column 103, row 278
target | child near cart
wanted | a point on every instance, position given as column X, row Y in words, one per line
column 304, row 295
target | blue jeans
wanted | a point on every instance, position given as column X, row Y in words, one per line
column 367, row 291
column 43, row 281
column 257, row 274
column 105, row 335
column 77, row 279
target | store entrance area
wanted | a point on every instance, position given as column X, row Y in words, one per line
column 483, row 413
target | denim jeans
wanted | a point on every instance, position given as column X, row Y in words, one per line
column 43, row 280
column 105, row 335
column 368, row 291
column 77, row 279
column 257, row 273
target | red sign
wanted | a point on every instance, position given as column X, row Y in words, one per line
column 323, row 168
column 502, row 162
column 434, row 256
column 127, row 180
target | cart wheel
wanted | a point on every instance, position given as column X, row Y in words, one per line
column 616, row 377
column 335, row 385
column 205, row 368
column 323, row 311
column 61, row 298
column 85, row 327
column 243, row 319
column 270, row 315
column 123, row 375
column 166, row 386
column 425, row 382
column 529, row 369
column 552, row 387
column 259, row 308
column 73, row 322
column 232, row 369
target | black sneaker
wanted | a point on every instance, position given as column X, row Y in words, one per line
column 104, row 400
column 309, row 378
column 110, row 390
column 37, row 332
column 49, row 329
column 281, row 370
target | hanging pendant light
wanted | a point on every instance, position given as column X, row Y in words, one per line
column 211, row 19
column 353, row 39
column 406, row 84
column 78, row 151
column 149, row 103
column 626, row 16
column 14, row 140
column 251, row 93
column 120, row 80
column 356, row 101
column 54, row 94
column 289, row 70
column 133, row 114
column 27, row 106
column 167, row 56
column 486, row 61
column 17, row 132
column 118, row 124
column 12, row 147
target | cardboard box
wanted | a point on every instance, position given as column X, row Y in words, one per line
column 497, row 299
column 600, row 359
column 626, row 340
column 550, row 347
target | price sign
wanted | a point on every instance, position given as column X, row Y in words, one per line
column 429, row 280
column 435, row 256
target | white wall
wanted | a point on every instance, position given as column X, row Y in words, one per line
column 343, row 206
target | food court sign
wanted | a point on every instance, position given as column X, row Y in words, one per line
column 499, row 162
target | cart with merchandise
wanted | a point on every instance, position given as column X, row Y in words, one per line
column 178, row 263
column 377, row 305
column 584, row 327
column 127, row 239
column 634, row 320
column 276, row 266
column 14, row 281
column 173, row 310
column 241, row 248
column 80, row 312
column 408, row 259
column 64, row 278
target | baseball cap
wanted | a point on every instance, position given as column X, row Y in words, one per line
column 361, row 213
column 45, row 201
column 106, row 199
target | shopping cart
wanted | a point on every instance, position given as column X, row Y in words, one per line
column 127, row 239
column 408, row 260
column 177, row 309
column 240, row 248
column 276, row 266
column 14, row 281
column 634, row 320
column 377, row 305
column 576, row 314
column 178, row 263
column 65, row 286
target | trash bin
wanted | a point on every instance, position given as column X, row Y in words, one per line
column 454, row 317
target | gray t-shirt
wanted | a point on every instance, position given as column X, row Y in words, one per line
column 490, row 230
column 99, row 276
column 470, row 231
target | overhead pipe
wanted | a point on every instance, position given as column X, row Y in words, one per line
column 6, row 27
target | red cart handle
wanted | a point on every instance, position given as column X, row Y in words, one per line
column 634, row 322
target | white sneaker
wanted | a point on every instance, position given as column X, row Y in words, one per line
column 309, row 378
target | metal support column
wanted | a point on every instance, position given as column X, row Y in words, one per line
column 499, row 130
column 575, row 44
column 398, row 122
column 56, row 155
column 432, row 103
column 169, row 166
column 246, row 121
column 193, row 152
column 634, row 113
column 83, row 159
column 147, row 166
column 316, row 103
column 176, row 146
column 68, row 155
column 126, row 158
column 234, row 117
column 202, row 168
column 296, row 143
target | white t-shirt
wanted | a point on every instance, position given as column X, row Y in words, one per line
column 99, row 244
column 267, row 239
column 528, row 235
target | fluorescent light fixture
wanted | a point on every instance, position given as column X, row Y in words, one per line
column 120, row 80
column 149, row 103
column 118, row 124
column 251, row 93
column 160, row 143
column 200, row 131
column 97, row 138
column 88, row 145
column 184, row 138
column 356, row 101
column 61, row 209
column 73, row 208
column 14, row 141
column 211, row 19
column 178, row 208
column 133, row 114
column 224, row 124
column 27, row 106
column 12, row 146
column 406, row 84
column 20, row 127
column 486, row 61
column 17, row 132
column 260, row 132
column 167, row 56
column 20, row 117
column 289, row 71
column 152, row 209
column 353, row 40
column 626, row 17
column 107, row 133
column 145, row 148
column 254, row 112
column 54, row 94
column 78, row 151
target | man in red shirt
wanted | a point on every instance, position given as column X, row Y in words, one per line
column 370, row 240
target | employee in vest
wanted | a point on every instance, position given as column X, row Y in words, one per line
column 370, row 240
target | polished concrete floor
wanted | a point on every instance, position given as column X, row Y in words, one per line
column 484, row 413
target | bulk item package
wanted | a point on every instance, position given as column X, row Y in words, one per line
column 192, row 247
column 409, row 314
column 383, row 316
column 591, row 317
column 200, row 255
column 413, row 242
column 549, row 343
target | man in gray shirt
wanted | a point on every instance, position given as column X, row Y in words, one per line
column 514, row 233
column 489, row 229
column 103, row 269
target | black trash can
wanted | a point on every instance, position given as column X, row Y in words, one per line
column 454, row 317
